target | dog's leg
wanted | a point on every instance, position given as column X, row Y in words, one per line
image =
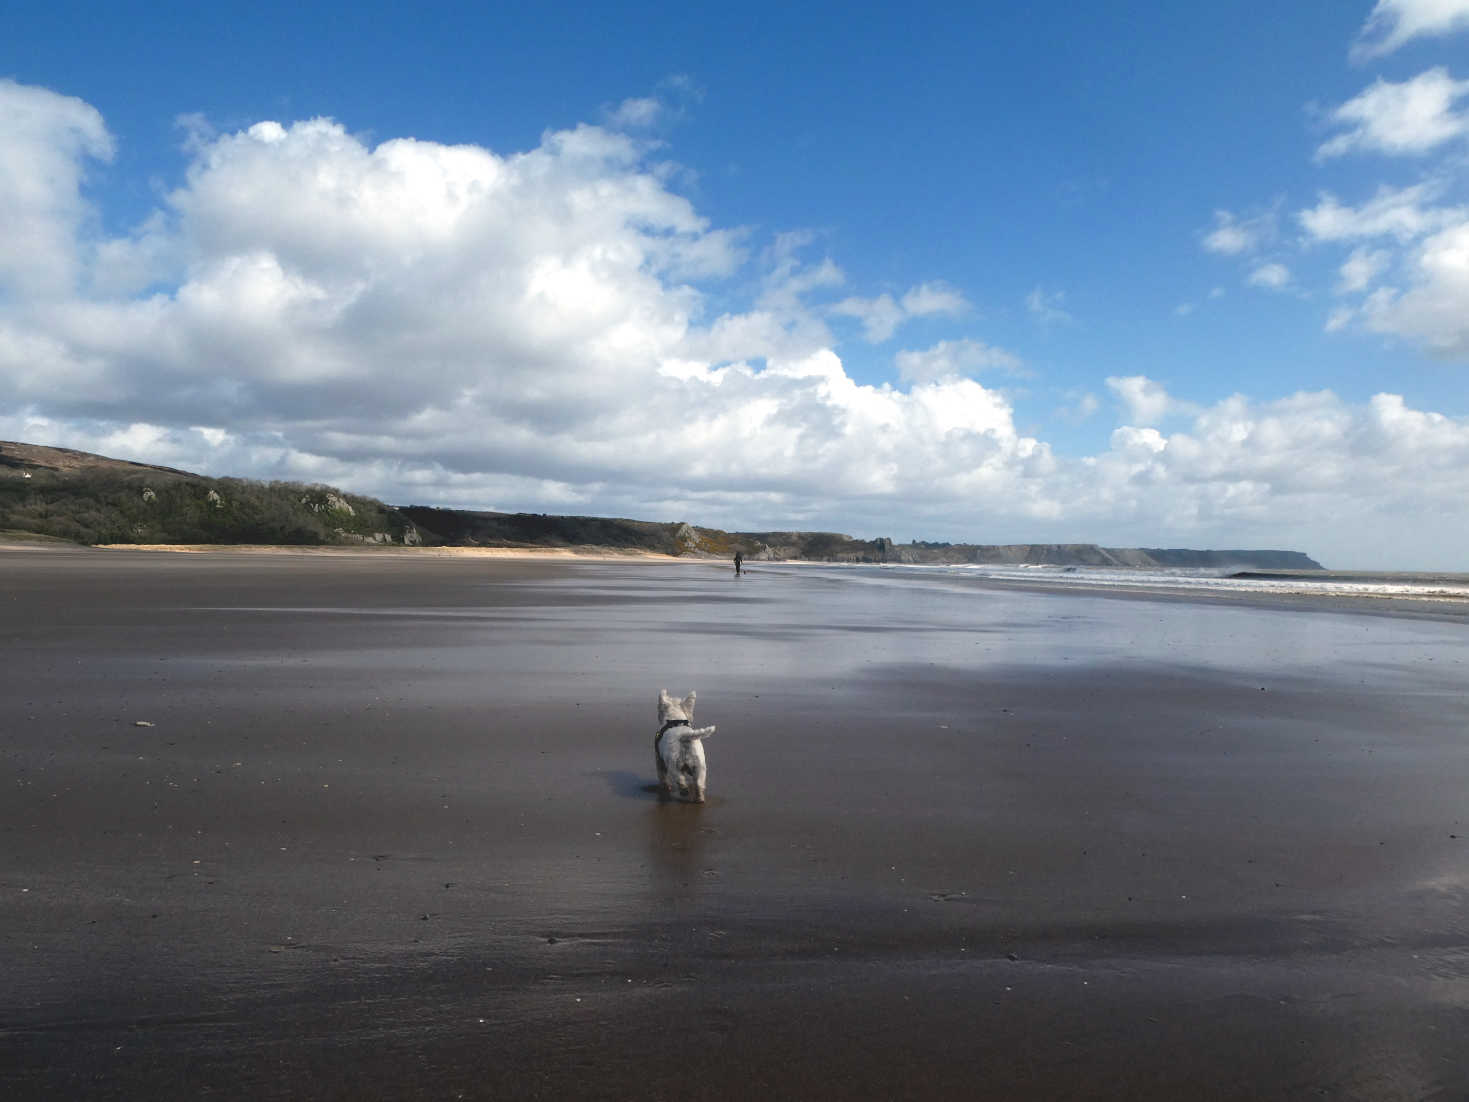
column 662, row 769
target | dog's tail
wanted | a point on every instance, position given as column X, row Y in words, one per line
column 702, row 732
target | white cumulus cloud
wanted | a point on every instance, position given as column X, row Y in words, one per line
column 1430, row 255
column 1401, row 213
column 1433, row 310
column 47, row 140
column 1414, row 116
column 1145, row 400
column 1287, row 467
column 1395, row 22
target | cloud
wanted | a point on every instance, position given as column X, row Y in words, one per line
column 670, row 103
column 44, row 219
column 1408, row 118
column 1272, row 276
column 1360, row 269
column 928, row 299
column 953, row 359
column 1080, row 405
column 1145, row 400
column 881, row 316
column 1184, row 309
column 1245, row 467
column 1432, row 258
column 1409, row 231
column 638, row 113
column 1395, row 22
column 1400, row 213
column 1434, row 309
column 1048, row 306
column 1233, row 235
column 1258, row 457
column 788, row 278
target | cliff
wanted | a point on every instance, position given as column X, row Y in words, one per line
column 1090, row 554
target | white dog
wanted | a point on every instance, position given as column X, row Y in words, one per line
column 679, row 749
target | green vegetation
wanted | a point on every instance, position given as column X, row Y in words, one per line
column 462, row 527
column 152, row 505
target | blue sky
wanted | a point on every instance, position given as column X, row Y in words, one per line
column 1138, row 274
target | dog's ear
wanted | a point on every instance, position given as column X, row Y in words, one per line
column 688, row 704
column 663, row 698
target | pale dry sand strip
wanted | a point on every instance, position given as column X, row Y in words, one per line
column 598, row 554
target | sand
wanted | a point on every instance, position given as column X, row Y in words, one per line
column 389, row 552
column 389, row 833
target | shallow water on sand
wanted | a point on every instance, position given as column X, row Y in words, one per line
column 392, row 834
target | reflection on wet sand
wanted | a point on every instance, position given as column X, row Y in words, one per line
column 678, row 838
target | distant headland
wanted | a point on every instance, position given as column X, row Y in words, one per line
column 92, row 499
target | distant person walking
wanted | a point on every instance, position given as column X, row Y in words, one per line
column 739, row 563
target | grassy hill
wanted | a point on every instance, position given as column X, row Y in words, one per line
column 92, row 499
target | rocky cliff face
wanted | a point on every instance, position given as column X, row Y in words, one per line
column 1089, row 554
column 1258, row 560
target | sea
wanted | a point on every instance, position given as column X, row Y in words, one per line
column 1225, row 581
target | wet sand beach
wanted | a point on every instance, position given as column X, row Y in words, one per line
column 367, row 826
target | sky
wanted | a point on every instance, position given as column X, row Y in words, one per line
column 1137, row 274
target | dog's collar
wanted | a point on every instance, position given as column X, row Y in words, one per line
column 671, row 724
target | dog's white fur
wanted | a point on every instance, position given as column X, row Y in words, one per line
column 679, row 749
